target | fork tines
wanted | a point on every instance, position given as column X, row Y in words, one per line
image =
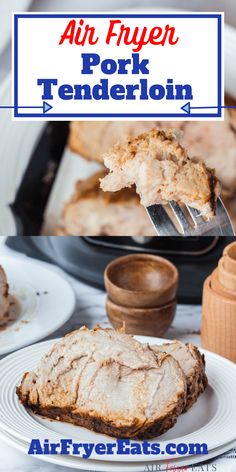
column 182, row 220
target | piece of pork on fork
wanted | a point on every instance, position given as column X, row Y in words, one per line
column 162, row 172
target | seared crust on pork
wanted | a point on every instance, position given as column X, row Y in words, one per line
column 108, row 382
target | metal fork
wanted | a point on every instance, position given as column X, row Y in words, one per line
column 174, row 220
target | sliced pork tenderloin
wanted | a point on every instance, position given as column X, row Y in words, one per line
column 108, row 382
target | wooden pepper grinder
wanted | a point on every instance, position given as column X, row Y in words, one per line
column 218, row 331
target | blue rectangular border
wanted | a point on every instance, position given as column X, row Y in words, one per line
column 183, row 115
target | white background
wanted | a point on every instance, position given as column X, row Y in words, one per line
column 192, row 60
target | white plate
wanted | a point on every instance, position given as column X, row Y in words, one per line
column 83, row 464
column 212, row 419
column 46, row 302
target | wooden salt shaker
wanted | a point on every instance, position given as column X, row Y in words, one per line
column 218, row 331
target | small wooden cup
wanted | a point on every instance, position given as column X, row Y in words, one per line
column 218, row 331
column 141, row 281
column 145, row 321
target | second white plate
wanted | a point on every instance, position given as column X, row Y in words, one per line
column 46, row 302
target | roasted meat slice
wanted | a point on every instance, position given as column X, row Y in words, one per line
column 93, row 212
column 161, row 170
column 108, row 382
column 4, row 295
column 91, row 139
column 215, row 144
column 193, row 365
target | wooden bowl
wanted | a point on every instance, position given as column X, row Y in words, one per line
column 141, row 281
column 146, row 321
